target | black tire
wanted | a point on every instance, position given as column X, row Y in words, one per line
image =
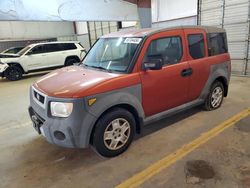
column 13, row 73
column 208, row 102
column 70, row 61
column 104, row 123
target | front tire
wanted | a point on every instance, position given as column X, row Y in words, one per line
column 215, row 96
column 114, row 132
column 13, row 73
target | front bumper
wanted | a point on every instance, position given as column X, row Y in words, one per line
column 3, row 67
column 73, row 131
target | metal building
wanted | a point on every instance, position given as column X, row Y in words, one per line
column 233, row 15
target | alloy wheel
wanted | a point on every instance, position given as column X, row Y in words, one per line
column 117, row 134
column 216, row 97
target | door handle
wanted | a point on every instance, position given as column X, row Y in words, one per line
column 186, row 72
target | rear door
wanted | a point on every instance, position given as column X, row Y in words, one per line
column 72, row 50
column 166, row 88
column 198, row 61
column 55, row 55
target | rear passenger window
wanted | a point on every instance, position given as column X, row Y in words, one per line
column 217, row 43
column 53, row 47
column 196, row 46
column 68, row 46
column 169, row 49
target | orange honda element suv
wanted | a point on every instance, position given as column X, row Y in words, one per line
column 129, row 79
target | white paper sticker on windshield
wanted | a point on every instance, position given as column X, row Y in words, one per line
column 132, row 40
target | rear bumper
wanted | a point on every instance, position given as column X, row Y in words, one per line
column 72, row 132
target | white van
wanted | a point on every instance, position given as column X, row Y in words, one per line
column 40, row 56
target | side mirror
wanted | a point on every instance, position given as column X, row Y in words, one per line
column 153, row 64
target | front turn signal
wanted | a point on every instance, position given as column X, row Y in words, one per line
column 91, row 101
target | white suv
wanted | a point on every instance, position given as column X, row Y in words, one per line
column 40, row 56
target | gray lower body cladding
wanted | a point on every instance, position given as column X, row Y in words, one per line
column 76, row 128
column 216, row 71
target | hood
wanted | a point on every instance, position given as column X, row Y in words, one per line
column 5, row 55
column 68, row 81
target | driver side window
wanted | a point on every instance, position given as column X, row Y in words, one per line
column 37, row 50
column 169, row 49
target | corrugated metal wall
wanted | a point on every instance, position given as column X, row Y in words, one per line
column 98, row 29
column 233, row 15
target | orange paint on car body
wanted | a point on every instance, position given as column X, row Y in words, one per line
column 161, row 90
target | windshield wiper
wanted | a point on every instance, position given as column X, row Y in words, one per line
column 98, row 67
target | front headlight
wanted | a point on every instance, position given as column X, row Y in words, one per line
column 61, row 109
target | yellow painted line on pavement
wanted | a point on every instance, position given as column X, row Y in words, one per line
column 139, row 178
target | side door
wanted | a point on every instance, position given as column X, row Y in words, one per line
column 35, row 58
column 55, row 55
column 198, row 61
column 166, row 88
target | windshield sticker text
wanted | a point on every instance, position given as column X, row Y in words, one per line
column 132, row 40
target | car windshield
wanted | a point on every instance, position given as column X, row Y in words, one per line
column 112, row 54
column 23, row 51
column 13, row 50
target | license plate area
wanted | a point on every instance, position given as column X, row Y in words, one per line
column 37, row 121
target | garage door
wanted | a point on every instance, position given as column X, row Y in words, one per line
column 97, row 29
column 233, row 16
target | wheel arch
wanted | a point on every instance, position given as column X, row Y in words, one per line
column 217, row 73
column 72, row 57
column 125, row 106
column 16, row 64
column 224, row 81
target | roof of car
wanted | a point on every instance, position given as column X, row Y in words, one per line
column 148, row 31
column 55, row 42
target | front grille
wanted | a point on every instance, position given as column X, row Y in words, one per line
column 39, row 97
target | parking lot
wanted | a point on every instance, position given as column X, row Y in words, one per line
column 28, row 160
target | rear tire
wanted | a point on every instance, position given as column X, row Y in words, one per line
column 71, row 61
column 215, row 96
column 114, row 132
column 13, row 73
